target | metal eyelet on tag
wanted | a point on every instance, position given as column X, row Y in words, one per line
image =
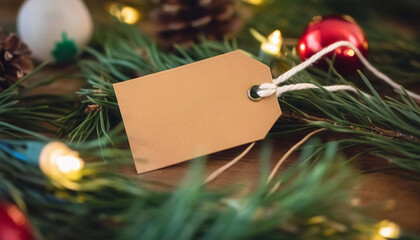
column 252, row 93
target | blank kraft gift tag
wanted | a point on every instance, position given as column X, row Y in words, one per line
column 194, row 110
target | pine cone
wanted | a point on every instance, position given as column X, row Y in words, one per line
column 184, row 21
column 15, row 60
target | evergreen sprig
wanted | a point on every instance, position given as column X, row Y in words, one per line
column 313, row 202
column 22, row 114
column 387, row 128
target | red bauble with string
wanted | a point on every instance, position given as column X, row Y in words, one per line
column 13, row 223
column 326, row 30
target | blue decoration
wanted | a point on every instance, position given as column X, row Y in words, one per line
column 26, row 151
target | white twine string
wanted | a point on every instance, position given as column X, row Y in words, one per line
column 267, row 89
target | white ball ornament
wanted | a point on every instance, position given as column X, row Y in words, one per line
column 55, row 30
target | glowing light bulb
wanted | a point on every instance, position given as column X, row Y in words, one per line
column 275, row 37
column 349, row 52
column 389, row 229
column 129, row 15
column 254, row 2
column 58, row 161
column 273, row 44
column 125, row 14
column 67, row 164
column 302, row 47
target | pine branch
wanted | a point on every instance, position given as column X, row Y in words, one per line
column 297, row 118
column 19, row 114
column 107, row 205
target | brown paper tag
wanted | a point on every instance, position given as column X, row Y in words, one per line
column 194, row 110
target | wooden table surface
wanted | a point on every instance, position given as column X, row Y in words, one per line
column 393, row 197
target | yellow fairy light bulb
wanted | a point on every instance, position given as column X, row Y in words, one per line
column 389, row 229
column 67, row 164
column 254, row 2
column 129, row 15
column 58, row 161
column 273, row 44
column 125, row 14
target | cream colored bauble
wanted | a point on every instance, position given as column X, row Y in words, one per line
column 55, row 30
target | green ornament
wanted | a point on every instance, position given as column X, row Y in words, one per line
column 64, row 51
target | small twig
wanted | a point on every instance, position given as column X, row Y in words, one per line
column 299, row 118
column 292, row 149
column 225, row 167
column 303, row 118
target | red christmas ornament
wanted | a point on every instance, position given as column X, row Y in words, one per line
column 13, row 224
column 326, row 30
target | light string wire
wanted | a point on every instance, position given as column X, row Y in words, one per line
column 268, row 89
